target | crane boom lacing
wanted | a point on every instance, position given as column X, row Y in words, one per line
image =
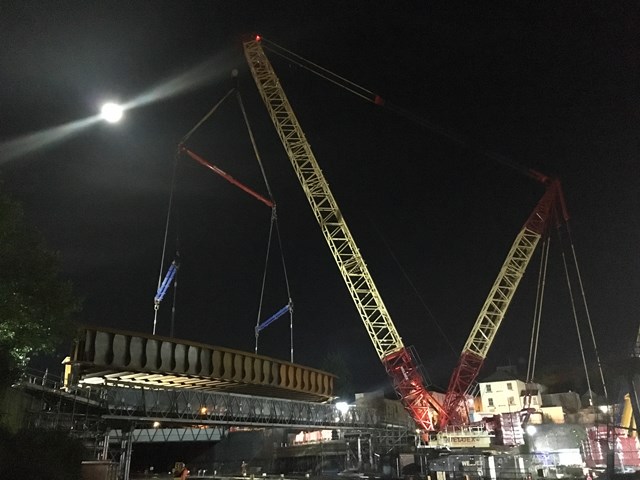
column 398, row 361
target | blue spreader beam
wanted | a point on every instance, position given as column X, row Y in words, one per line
column 272, row 319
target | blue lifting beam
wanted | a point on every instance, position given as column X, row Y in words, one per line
column 164, row 286
column 272, row 319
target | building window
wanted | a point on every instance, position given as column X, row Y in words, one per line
column 488, row 389
column 490, row 400
column 509, row 386
column 511, row 401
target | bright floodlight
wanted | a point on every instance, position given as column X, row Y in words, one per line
column 531, row 430
column 343, row 407
column 111, row 112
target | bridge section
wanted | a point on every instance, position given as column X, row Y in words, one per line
column 112, row 416
column 106, row 356
column 210, row 407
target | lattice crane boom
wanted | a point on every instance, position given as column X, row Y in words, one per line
column 550, row 207
column 399, row 362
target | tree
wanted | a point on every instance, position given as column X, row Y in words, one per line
column 36, row 304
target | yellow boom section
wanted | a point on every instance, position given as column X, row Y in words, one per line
column 495, row 307
column 354, row 271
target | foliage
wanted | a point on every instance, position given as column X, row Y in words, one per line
column 36, row 305
column 40, row 454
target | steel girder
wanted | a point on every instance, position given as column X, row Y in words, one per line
column 103, row 355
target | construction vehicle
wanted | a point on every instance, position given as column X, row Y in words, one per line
column 399, row 361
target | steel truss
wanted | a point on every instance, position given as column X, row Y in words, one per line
column 111, row 418
column 399, row 362
column 76, row 407
column 202, row 407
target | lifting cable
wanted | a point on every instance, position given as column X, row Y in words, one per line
column 588, row 316
column 173, row 270
column 274, row 223
column 182, row 148
column 537, row 313
column 372, row 97
column 206, row 117
column 535, row 333
column 575, row 319
column 413, row 287
column 376, row 99
column 163, row 285
column 369, row 96
column 172, row 273
column 287, row 308
column 575, row 316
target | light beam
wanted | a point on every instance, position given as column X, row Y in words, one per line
column 31, row 142
column 196, row 77
column 202, row 74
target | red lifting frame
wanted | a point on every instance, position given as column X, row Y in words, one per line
column 226, row 176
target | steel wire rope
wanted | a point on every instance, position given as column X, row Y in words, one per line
column 326, row 73
column 587, row 314
column 264, row 280
column 575, row 318
column 206, row 117
column 170, row 206
column 286, row 280
column 537, row 314
column 412, row 285
column 156, row 306
column 297, row 59
column 175, row 289
column 274, row 220
column 532, row 339
column 376, row 99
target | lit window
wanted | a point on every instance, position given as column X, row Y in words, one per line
column 490, row 400
column 509, row 386
column 488, row 388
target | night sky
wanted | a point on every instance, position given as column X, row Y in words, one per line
column 549, row 85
